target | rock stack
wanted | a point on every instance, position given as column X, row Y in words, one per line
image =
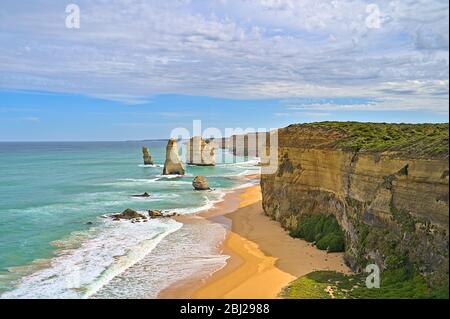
column 173, row 164
column 147, row 157
column 200, row 183
column 201, row 152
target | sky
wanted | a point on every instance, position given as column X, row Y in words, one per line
column 138, row 69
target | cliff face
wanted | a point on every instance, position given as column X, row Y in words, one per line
column 251, row 144
column 201, row 152
column 388, row 203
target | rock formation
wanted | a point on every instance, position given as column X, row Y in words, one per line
column 128, row 214
column 155, row 214
column 252, row 144
column 133, row 216
column 391, row 200
column 147, row 157
column 173, row 164
column 200, row 183
column 142, row 195
column 201, row 152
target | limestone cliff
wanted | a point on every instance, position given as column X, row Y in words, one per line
column 173, row 164
column 201, row 152
column 387, row 185
column 251, row 144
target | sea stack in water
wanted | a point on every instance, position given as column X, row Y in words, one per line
column 201, row 152
column 200, row 183
column 173, row 164
column 147, row 157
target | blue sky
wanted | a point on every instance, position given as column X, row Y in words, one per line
column 40, row 116
column 138, row 69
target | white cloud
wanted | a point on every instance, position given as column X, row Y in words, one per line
column 303, row 114
column 32, row 119
column 131, row 49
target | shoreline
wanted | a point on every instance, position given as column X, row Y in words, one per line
column 263, row 258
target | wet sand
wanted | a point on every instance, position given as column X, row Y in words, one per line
column 263, row 257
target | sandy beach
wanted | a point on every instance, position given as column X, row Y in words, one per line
column 263, row 258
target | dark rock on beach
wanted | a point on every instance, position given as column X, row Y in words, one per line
column 155, row 214
column 128, row 214
column 136, row 217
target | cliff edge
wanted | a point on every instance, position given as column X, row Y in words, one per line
column 386, row 184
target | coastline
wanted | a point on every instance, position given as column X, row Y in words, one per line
column 110, row 255
column 263, row 258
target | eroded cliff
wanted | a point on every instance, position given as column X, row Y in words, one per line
column 391, row 201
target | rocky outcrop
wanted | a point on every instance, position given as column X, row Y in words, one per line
column 391, row 204
column 200, row 183
column 133, row 216
column 144, row 195
column 173, row 164
column 147, row 157
column 201, row 152
column 155, row 214
column 128, row 214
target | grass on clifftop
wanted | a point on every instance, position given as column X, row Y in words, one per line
column 418, row 140
column 401, row 283
column 323, row 230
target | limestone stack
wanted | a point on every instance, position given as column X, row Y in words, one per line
column 201, row 152
column 147, row 157
column 173, row 164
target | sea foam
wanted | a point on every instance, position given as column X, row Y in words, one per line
column 109, row 251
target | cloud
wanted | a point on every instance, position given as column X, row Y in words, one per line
column 303, row 114
column 31, row 119
column 131, row 49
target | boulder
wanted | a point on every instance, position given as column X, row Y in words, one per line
column 173, row 164
column 200, row 183
column 147, row 157
column 155, row 214
column 201, row 152
column 128, row 214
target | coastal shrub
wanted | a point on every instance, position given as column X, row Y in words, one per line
column 420, row 140
column 323, row 230
column 332, row 243
column 405, row 282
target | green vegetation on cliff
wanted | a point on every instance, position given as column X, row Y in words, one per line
column 401, row 283
column 323, row 230
column 416, row 140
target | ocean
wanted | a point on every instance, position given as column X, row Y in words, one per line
column 55, row 241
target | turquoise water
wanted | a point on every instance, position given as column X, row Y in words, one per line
column 50, row 192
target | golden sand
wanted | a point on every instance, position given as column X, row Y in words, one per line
column 263, row 257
